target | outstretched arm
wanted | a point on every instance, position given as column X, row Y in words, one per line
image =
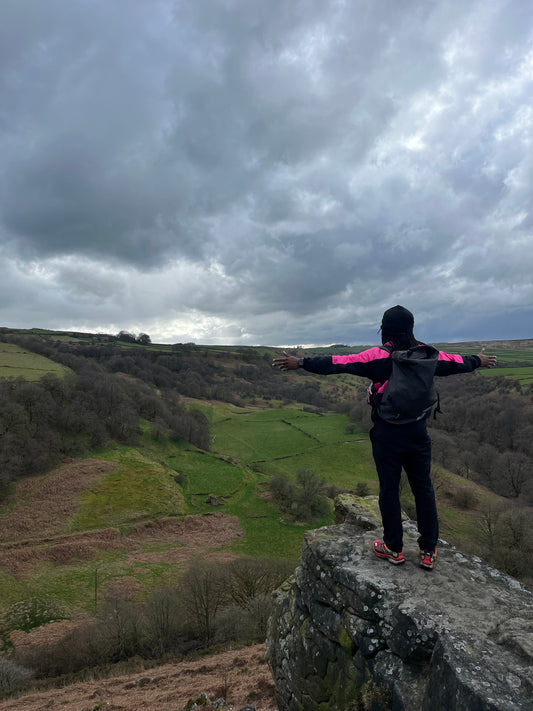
column 288, row 362
column 486, row 361
column 450, row 364
column 363, row 363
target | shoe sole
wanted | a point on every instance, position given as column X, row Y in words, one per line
column 392, row 560
column 388, row 557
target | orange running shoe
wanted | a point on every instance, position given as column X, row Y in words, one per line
column 427, row 559
column 383, row 551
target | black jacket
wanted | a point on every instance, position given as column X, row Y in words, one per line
column 375, row 363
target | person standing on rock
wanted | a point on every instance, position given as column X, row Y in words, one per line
column 402, row 396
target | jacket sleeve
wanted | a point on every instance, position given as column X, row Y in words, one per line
column 451, row 364
column 363, row 363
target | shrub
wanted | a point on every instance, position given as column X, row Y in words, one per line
column 331, row 491
column 28, row 614
column 361, row 488
column 115, row 634
column 12, row 675
column 249, row 578
column 303, row 501
column 282, row 490
column 510, row 560
column 465, row 498
column 81, row 648
column 312, row 503
column 245, row 625
column 258, row 612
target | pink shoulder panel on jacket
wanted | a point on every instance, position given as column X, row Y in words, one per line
column 451, row 356
column 363, row 357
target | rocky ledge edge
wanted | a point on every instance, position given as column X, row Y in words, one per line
column 352, row 631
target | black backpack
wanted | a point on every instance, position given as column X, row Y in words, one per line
column 410, row 392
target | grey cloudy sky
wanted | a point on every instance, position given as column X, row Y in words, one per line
column 242, row 171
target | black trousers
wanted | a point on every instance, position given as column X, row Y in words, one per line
column 407, row 446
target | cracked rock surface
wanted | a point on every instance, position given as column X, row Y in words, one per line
column 350, row 627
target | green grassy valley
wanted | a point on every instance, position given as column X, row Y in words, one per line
column 159, row 481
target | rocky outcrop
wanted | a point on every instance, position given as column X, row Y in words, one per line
column 351, row 631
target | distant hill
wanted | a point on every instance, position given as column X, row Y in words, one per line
column 513, row 345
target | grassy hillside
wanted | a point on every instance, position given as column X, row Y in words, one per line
column 515, row 358
column 522, row 375
column 17, row 362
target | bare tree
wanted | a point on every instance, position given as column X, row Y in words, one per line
column 516, row 470
column 12, row 675
column 489, row 515
column 120, row 627
column 203, row 591
column 515, row 528
column 249, row 578
column 163, row 618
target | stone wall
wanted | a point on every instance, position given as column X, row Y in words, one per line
column 351, row 631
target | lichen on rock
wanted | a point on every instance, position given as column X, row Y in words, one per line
column 352, row 631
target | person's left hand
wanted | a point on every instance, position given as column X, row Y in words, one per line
column 288, row 362
column 487, row 361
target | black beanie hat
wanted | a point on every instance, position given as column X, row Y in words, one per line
column 398, row 320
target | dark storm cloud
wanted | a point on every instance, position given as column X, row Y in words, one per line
column 265, row 172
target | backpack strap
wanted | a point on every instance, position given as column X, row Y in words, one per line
column 437, row 409
column 371, row 393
